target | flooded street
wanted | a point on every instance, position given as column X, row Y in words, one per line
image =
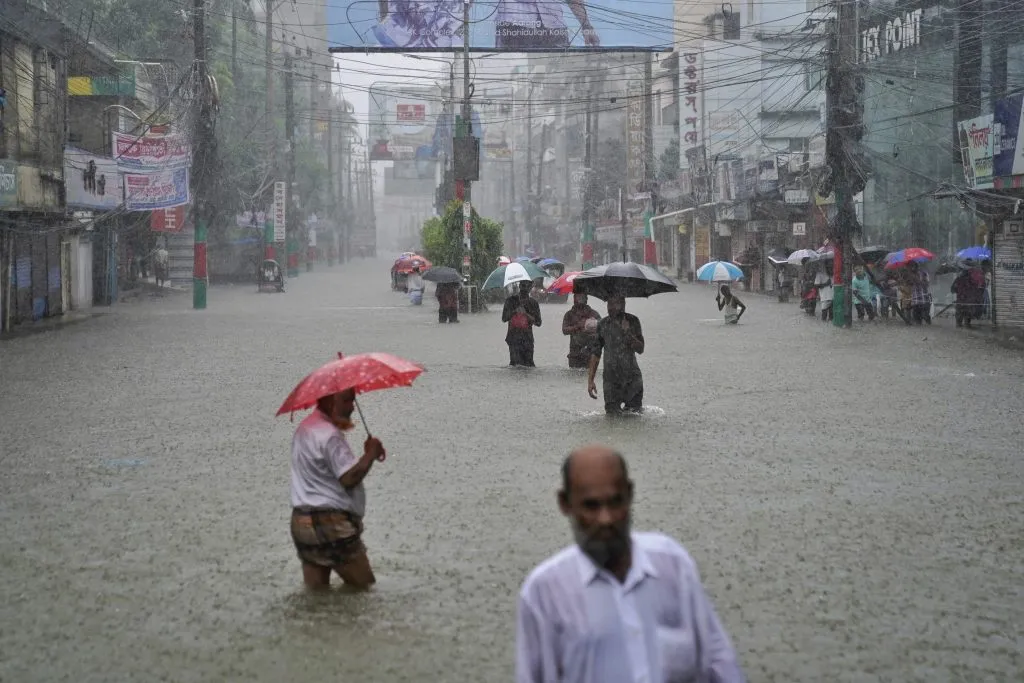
column 853, row 499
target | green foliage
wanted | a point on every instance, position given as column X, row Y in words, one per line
column 669, row 161
column 441, row 238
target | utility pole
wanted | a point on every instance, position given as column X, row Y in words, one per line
column 467, row 126
column 268, row 122
column 202, row 156
column 844, row 129
column 588, row 177
column 332, row 167
column 291, row 233
column 234, row 44
column 314, row 122
column 540, row 180
column 529, row 170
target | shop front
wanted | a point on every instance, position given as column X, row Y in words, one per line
column 1008, row 273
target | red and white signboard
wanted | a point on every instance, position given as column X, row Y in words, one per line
column 411, row 113
column 168, row 220
column 151, row 152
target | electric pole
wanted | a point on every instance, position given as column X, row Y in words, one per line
column 467, row 127
column 268, row 120
column 202, row 156
column 291, row 233
column 844, row 129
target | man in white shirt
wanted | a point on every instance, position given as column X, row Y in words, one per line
column 328, row 498
column 618, row 606
column 823, row 281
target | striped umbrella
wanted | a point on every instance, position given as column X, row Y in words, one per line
column 719, row 271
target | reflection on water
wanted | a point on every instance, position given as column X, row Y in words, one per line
column 649, row 412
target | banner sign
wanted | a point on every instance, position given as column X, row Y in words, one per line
column 91, row 181
column 505, row 24
column 168, row 220
column 156, row 190
column 976, row 146
column 133, row 152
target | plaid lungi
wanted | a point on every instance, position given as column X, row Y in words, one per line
column 327, row 538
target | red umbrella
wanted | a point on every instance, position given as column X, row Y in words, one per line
column 898, row 259
column 362, row 372
column 563, row 285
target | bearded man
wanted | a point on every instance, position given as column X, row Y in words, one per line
column 328, row 498
column 618, row 606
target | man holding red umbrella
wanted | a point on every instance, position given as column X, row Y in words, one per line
column 328, row 498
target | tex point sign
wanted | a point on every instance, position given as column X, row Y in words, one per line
column 503, row 24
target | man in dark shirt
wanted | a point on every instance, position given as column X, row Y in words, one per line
column 580, row 323
column 620, row 338
column 522, row 313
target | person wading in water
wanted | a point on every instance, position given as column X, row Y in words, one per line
column 580, row 324
column 620, row 338
column 328, row 499
column 522, row 313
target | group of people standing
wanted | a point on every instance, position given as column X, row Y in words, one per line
column 905, row 293
column 618, row 338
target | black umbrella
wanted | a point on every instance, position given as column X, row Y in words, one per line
column 442, row 274
column 625, row 279
column 873, row 254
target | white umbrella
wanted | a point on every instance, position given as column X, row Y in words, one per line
column 798, row 257
column 515, row 272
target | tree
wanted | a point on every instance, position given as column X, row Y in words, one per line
column 441, row 238
column 669, row 169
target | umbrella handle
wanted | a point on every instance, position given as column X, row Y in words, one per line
column 361, row 417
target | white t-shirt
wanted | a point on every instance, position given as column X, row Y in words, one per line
column 320, row 455
column 824, row 284
column 414, row 281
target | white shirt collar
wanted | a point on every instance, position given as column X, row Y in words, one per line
column 640, row 567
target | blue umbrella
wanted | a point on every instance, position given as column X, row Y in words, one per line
column 719, row 271
column 544, row 263
column 975, row 254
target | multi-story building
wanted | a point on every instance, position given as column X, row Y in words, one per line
column 61, row 96
column 751, row 133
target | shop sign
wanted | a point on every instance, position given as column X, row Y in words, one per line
column 693, row 104
column 890, row 36
column 797, row 196
column 800, row 229
column 977, row 143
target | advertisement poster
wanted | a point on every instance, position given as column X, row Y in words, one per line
column 156, row 190
column 403, row 120
column 1008, row 152
column 976, row 145
column 168, row 220
column 151, row 151
column 503, row 24
column 90, row 181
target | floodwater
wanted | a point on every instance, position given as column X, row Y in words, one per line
column 853, row 498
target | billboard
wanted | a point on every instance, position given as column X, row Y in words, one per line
column 91, row 181
column 503, row 24
column 1008, row 150
column 402, row 121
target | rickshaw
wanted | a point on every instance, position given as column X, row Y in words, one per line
column 270, row 277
